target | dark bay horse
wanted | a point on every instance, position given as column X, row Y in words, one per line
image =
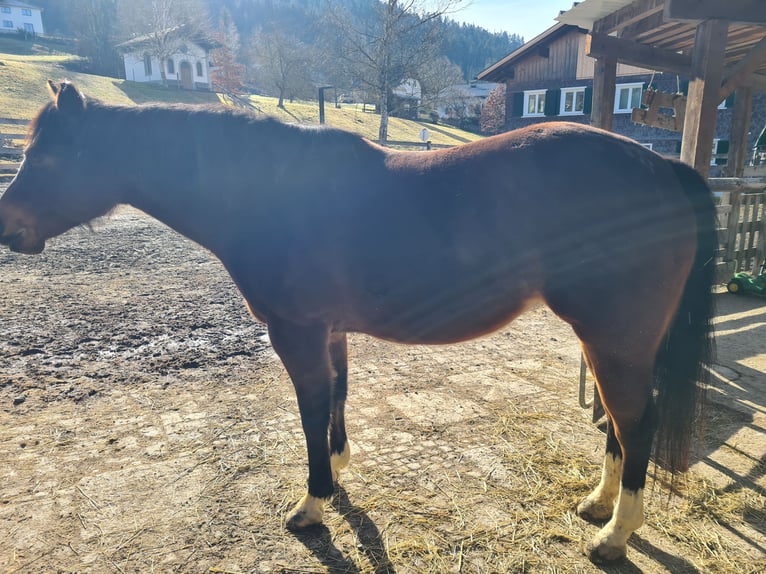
column 326, row 233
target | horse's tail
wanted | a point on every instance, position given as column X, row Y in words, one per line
column 687, row 351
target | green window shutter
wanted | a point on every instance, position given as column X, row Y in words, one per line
column 517, row 104
column 685, row 87
column 730, row 102
column 552, row 102
column 678, row 146
column 588, row 103
column 722, row 149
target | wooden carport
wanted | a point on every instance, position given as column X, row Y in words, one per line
column 719, row 45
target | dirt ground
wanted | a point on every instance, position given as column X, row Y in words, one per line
column 146, row 426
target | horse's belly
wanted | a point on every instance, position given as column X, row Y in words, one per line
column 444, row 315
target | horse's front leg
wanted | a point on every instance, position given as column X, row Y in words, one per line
column 340, row 452
column 304, row 351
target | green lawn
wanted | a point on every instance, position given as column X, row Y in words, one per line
column 26, row 66
column 352, row 117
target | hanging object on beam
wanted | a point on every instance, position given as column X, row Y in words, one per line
column 651, row 116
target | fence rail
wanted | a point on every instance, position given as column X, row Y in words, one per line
column 742, row 224
column 11, row 146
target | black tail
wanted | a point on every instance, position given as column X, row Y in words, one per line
column 681, row 366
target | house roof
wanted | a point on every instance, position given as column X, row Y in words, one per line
column 645, row 23
column 497, row 71
column 583, row 14
column 181, row 32
column 470, row 90
column 19, row 4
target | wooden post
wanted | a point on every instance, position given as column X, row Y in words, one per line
column 740, row 124
column 704, row 88
column 602, row 116
column 604, row 83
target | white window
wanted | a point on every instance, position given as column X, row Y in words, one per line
column 7, row 23
column 648, row 145
column 6, row 10
column 29, row 27
column 572, row 101
column 534, row 103
column 26, row 12
column 627, row 97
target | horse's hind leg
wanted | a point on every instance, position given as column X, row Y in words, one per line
column 340, row 452
column 304, row 351
column 624, row 382
column 599, row 504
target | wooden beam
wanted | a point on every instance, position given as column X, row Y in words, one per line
column 757, row 82
column 743, row 11
column 635, row 54
column 740, row 125
column 649, row 24
column 739, row 73
column 704, row 88
column 627, row 15
column 604, row 81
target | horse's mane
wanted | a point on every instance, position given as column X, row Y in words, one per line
column 237, row 124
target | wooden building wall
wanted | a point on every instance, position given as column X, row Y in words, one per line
column 586, row 64
column 559, row 63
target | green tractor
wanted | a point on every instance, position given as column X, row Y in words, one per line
column 746, row 283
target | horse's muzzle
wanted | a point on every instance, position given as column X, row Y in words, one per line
column 17, row 242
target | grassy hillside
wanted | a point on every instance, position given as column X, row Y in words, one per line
column 26, row 66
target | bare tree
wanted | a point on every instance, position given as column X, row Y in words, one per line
column 384, row 43
column 94, row 23
column 164, row 24
column 280, row 63
column 436, row 78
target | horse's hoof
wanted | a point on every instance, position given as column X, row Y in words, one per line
column 594, row 511
column 299, row 521
column 600, row 553
column 307, row 513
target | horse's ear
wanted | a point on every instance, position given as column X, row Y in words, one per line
column 68, row 99
column 53, row 88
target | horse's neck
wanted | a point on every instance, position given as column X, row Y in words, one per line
column 166, row 187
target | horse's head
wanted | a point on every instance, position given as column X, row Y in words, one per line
column 57, row 186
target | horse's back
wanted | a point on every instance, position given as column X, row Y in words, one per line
column 455, row 243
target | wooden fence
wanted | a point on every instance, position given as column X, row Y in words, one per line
column 742, row 224
column 12, row 134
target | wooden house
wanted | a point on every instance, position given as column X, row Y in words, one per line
column 551, row 78
column 720, row 46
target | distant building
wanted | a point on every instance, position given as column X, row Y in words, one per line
column 16, row 16
column 405, row 99
column 187, row 67
column 463, row 100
